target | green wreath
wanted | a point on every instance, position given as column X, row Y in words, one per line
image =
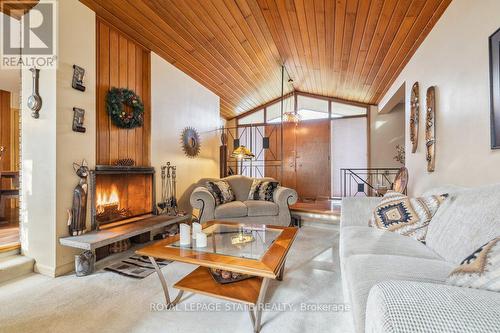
column 115, row 101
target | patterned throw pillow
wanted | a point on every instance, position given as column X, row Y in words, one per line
column 480, row 270
column 262, row 190
column 406, row 216
column 221, row 191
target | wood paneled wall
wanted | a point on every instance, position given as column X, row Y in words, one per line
column 122, row 63
column 5, row 130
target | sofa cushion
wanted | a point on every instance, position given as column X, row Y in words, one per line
column 416, row 307
column 261, row 208
column 365, row 240
column 480, row 270
column 221, row 190
column 365, row 271
column 231, row 209
column 466, row 220
column 262, row 190
column 406, row 216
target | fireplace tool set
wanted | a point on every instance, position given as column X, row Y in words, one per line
column 168, row 203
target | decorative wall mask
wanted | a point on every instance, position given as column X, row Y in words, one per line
column 78, row 117
column 190, row 141
column 494, row 42
column 77, row 82
column 430, row 129
column 414, row 116
column 35, row 101
column 77, row 216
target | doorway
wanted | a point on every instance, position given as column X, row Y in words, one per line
column 9, row 172
column 10, row 90
column 307, row 158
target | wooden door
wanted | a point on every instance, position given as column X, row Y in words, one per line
column 5, row 130
column 306, row 162
column 313, row 158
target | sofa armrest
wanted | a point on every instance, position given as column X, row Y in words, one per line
column 356, row 211
column 284, row 197
column 409, row 306
column 202, row 199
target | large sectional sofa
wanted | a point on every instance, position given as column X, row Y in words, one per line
column 397, row 284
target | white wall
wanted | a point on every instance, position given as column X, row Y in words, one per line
column 386, row 132
column 348, row 149
column 77, row 45
column 39, row 170
column 49, row 146
column 179, row 101
column 454, row 57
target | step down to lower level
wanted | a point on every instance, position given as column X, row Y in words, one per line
column 15, row 266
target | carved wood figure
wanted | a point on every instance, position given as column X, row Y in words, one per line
column 78, row 213
column 430, row 129
column 414, row 116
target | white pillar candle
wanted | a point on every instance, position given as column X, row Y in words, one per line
column 196, row 229
column 185, row 237
column 201, row 239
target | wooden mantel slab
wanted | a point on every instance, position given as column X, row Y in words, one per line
column 95, row 239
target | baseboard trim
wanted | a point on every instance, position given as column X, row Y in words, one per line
column 44, row 270
column 65, row 268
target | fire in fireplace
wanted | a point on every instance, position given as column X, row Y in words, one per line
column 108, row 206
column 121, row 194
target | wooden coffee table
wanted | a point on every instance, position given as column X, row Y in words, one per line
column 263, row 258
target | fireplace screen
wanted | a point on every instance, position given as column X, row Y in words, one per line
column 120, row 194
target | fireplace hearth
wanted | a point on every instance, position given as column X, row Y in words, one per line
column 121, row 194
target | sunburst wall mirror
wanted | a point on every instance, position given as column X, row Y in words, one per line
column 190, row 141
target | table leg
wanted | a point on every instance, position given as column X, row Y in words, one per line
column 165, row 287
column 281, row 271
column 256, row 311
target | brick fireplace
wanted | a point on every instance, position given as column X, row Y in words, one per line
column 121, row 194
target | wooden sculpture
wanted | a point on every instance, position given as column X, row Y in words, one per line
column 430, row 129
column 77, row 216
column 414, row 116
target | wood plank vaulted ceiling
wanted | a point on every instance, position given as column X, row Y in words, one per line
column 348, row 49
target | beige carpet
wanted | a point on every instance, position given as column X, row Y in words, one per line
column 108, row 302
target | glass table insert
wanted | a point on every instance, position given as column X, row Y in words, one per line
column 242, row 241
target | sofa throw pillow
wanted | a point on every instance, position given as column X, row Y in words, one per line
column 480, row 270
column 406, row 216
column 262, row 190
column 221, row 190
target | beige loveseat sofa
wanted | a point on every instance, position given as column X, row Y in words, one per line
column 242, row 209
